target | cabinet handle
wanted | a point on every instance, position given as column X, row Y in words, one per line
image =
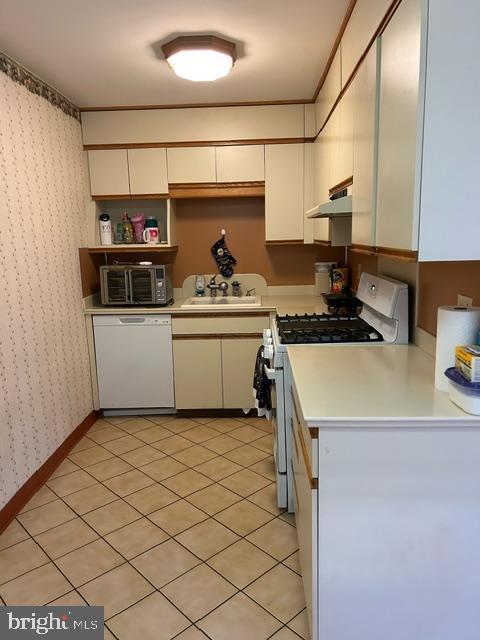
column 313, row 481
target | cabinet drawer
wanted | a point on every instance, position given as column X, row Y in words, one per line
column 218, row 325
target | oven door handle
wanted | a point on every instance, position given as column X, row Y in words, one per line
column 270, row 373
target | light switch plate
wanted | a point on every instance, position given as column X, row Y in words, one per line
column 464, row 301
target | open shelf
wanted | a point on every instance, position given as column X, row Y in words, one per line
column 133, row 248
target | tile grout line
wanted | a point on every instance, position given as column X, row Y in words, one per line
column 185, row 497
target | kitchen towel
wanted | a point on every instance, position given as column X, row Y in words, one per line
column 224, row 259
column 456, row 326
column 262, row 386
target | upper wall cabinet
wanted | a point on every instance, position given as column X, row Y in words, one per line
column 329, row 92
column 364, row 89
column 148, row 171
column 284, row 192
column 109, row 172
column 240, row 163
column 363, row 22
column 399, row 137
column 191, row 164
column 118, row 172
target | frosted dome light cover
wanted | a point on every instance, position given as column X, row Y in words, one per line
column 200, row 65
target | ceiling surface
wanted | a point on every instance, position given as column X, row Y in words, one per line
column 107, row 52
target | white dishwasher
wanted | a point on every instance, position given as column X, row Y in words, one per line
column 134, row 361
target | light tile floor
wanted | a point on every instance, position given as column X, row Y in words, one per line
column 172, row 525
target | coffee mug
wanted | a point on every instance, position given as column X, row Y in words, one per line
column 151, row 235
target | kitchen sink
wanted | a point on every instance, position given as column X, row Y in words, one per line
column 222, row 301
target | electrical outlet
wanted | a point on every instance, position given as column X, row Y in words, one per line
column 464, row 301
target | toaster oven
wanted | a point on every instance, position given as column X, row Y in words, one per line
column 136, row 285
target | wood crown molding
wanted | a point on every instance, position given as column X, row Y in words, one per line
column 335, row 46
column 143, row 196
column 378, row 31
column 33, row 484
column 199, row 105
column 195, row 143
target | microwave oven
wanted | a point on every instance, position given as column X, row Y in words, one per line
column 136, row 285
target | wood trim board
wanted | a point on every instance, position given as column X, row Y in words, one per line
column 344, row 184
column 38, row 479
column 283, row 242
column 216, row 336
column 198, row 105
column 195, row 143
column 218, row 190
column 232, row 314
column 335, row 46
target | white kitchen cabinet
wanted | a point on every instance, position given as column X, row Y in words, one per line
column 240, row 163
column 330, row 91
column 345, row 137
column 399, row 134
column 365, row 18
column 198, row 373
column 332, row 141
column 284, row 192
column 108, row 172
column 309, row 190
column 191, row 164
column 238, row 359
column 364, row 87
column 148, row 171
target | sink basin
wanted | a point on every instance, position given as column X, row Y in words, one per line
column 222, row 301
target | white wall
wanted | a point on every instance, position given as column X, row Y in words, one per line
column 44, row 377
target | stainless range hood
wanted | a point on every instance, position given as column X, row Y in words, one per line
column 336, row 208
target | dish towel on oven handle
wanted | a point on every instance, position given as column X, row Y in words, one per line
column 262, row 386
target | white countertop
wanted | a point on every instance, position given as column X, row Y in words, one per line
column 346, row 385
column 280, row 304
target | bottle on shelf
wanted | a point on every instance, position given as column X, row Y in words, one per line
column 105, row 229
column 127, row 229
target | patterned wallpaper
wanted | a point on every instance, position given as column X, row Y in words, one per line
column 44, row 376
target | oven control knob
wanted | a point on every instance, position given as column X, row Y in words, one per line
column 268, row 351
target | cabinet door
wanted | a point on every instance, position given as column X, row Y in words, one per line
column 238, row 361
column 198, row 374
column 109, row 172
column 242, row 163
column 330, row 91
column 191, row 164
column 148, row 171
column 364, row 146
column 332, row 138
column 345, row 151
column 397, row 200
column 284, row 192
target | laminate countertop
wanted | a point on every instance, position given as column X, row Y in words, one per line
column 371, row 386
column 275, row 304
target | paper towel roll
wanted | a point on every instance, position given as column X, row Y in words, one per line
column 455, row 326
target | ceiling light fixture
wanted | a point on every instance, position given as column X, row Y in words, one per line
column 200, row 58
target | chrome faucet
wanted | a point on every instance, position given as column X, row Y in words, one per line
column 223, row 286
column 251, row 292
column 213, row 286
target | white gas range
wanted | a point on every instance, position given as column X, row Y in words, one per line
column 383, row 320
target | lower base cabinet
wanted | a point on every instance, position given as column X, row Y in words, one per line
column 214, row 373
column 238, row 360
column 198, row 374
